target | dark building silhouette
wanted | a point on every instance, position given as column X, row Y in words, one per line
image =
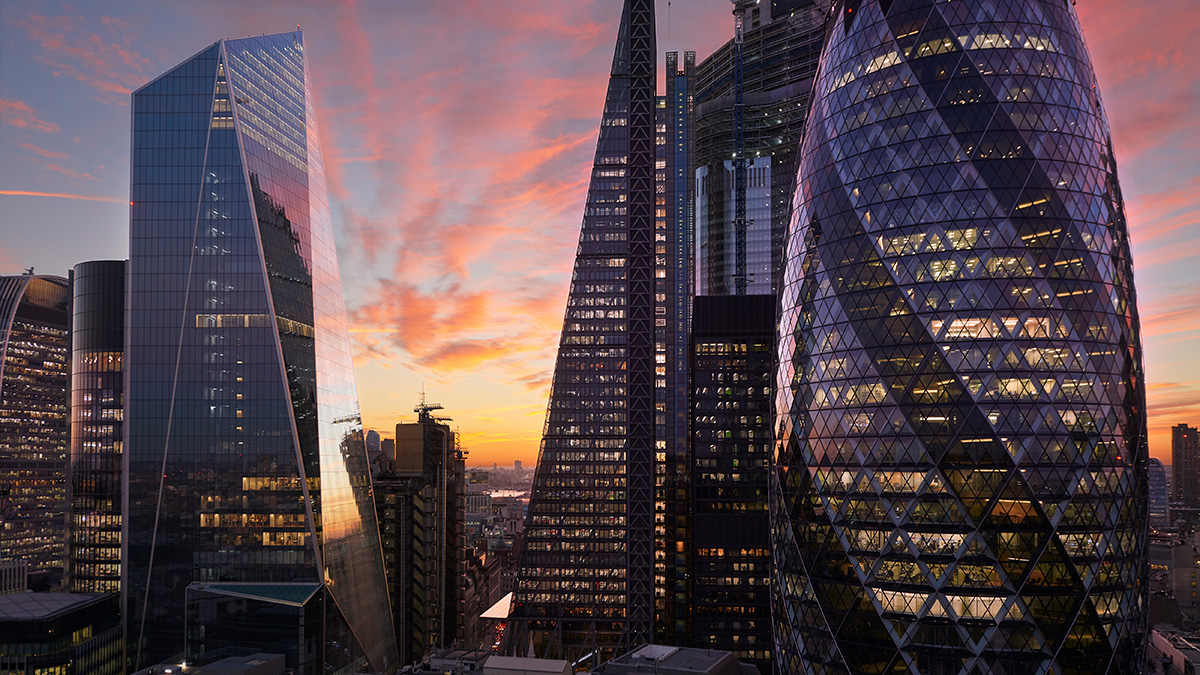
column 585, row 582
column 419, row 498
column 246, row 462
column 1185, row 465
column 732, row 353
column 34, row 381
column 68, row 633
column 961, row 453
column 97, row 426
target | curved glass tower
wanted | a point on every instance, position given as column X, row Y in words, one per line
column 961, row 456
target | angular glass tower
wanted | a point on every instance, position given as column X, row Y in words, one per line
column 961, row 454
column 585, row 576
column 244, row 450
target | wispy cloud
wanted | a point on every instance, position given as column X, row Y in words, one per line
column 60, row 195
column 94, row 53
column 49, row 154
column 20, row 115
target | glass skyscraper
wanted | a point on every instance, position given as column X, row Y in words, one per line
column 245, row 454
column 782, row 41
column 97, row 426
column 585, row 577
column 34, row 371
column 961, row 452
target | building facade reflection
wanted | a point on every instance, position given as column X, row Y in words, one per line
column 245, row 448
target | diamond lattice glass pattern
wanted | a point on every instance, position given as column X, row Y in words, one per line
column 961, row 454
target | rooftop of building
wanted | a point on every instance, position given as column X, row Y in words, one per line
column 41, row 606
column 662, row 660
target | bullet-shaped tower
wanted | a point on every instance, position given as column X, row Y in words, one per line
column 961, row 456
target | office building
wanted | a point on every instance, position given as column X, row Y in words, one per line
column 672, row 306
column 245, row 454
column 585, row 580
column 961, row 453
column 421, row 501
column 61, row 633
column 97, row 426
column 732, row 353
column 34, row 373
column 1185, row 465
column 781, row 43
column 1159, row 495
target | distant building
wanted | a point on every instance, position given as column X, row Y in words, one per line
column 97, row 426
column 1172, row 652
column 1160, row 507
column 34, row 381
column 1185, row 465
column 419, row 498
column 516, row 465
column 61, row 634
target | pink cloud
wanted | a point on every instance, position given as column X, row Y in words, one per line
column 49, row 154
column 102, row 60
column 21, row 116
column 61, row 195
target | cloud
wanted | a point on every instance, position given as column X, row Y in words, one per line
column 101, row 60
column 61, row 195
column 49, row 154
column 71, row 173
column 21, row 116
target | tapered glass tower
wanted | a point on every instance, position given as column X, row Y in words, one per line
column 585, row 577
column 247, row 474
column 961, row 456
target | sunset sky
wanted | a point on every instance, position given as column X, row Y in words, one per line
column 458, row 139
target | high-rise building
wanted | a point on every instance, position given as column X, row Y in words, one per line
column 1185, row 465
column 34, row 350
column 585, row 580
column 781, row 43
column 961, row 432
column 247, row 473
column 97, row 427
column 1159, row 495
column 420, row 499
column 732, row 354
column 672, row 305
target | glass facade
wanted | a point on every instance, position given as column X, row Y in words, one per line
column 245, row 450
column 585, row 576
column 33, row 419
column 1160, row 495
column 782, row 41
column 672, row 304
column 961, row 454
column 97, row 426
column 61, row 634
